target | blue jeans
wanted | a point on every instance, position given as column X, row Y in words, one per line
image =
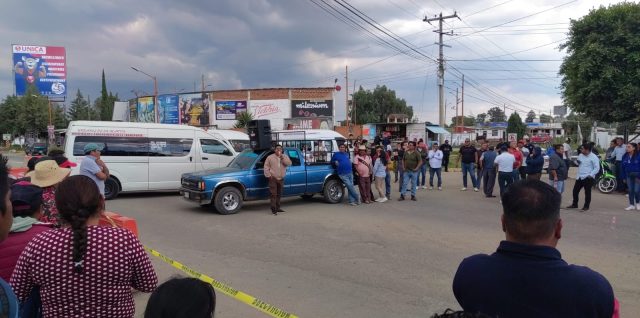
column 422, row 176
column 505, row 179
column 438, row 172
column 559, row 185
column 469, row 168
column 516, row 175
column 347, row 179
column 387, row 184
column 409, row 176
column 633, row 183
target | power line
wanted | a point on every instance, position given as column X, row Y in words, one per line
column 507, row 60
column 489, row 8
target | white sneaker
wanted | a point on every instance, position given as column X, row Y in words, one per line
column 383, row 200
column 475, row 189
column 424, row 187
column 629, row 208
column 378, row 199
column 440, row 189
column 463, row 189
column 430, row 188
column 638, row 206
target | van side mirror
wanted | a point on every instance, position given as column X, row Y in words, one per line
column 227, row 152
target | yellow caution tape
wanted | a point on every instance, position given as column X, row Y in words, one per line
column 226, row 289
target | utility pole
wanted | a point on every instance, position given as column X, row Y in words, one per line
column 440, row 19
column 462, row 100
column 202, row 83
column 346, row 95
column 455, row 130
column 353, row 103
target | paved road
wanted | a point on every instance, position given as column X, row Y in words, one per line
column 395, row 259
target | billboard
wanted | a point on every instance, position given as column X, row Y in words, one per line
column 560, row 110
column 133, row 110
column 194, row 109
column 309, row 123
column 146, row 110
column 227, row 110
column 311, row 108
column 168, row 109
column 276, row 110
column 43, row 67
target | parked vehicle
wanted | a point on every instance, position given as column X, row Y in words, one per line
column 225, row 189
column 36, row 149
column 606, row 179
column 150, row 157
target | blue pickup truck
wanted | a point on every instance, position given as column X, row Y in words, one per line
column 243, row 180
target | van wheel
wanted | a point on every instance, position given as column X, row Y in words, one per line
column 228, row 200
column 333, row 191
column 111, row 188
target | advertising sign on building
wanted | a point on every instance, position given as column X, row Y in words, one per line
column 194, row 109
column 311, row 108
column 275, row 110
column 133, row 110
column 309, row 123
column 146, row 110
column 227, row 110
column 43, row 67
column 168, row 109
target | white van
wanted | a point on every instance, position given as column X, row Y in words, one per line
column 318, row 145
column 151, row 157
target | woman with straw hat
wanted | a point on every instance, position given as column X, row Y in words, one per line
column 47, row 175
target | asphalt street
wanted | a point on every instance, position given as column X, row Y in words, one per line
column 393, row 259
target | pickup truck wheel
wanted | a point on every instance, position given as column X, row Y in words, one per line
column 111, row 188
column 333, row 191
column 228, row 200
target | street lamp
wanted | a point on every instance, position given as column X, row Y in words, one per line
column 155, row 90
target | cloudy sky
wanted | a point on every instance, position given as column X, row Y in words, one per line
column 507, row 49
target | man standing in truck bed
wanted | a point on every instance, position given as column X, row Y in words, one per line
column 275, row 168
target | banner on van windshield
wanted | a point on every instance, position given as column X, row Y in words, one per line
column 228, row 110
column 168, row 109
column 133, row 110
column 146, row 110
column 194, row 109
column 311, row 108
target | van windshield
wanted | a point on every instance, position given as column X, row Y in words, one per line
column 240, row 145
column 244, row 160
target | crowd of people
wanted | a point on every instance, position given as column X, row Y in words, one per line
column 57, row 261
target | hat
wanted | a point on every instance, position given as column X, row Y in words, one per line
column 91, row 147
column 362, row 148
column 25, row 197
column 67, row 164
column 48, row 173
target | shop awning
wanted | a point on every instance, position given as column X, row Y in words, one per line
column 437, row 130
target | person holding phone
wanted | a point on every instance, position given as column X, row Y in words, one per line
column 275, row 168
column 363, row 165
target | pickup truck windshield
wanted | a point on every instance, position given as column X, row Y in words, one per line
column 244, row 160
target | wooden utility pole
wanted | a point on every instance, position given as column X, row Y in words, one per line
column 462, row 100
column 457, row 118
column 346, row 95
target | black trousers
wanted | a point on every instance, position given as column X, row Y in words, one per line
column 587, row 184
column 445, row 163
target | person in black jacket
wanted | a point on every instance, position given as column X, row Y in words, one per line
column 446, row 151
column 535, row 162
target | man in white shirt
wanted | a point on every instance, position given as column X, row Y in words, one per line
column 504, row 164
column 435, row 157
column 588, row 167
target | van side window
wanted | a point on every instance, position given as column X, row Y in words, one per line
column 113, row 146
column 169, row 147
column 214, row 147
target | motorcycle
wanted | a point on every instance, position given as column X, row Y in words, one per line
column 606, row 178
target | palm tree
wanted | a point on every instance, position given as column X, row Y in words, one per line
column 243, row 118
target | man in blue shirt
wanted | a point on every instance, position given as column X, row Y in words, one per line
column 588, row 167
column 618, row 152
column 341, row 161
column 526, row 276
column 93, row 167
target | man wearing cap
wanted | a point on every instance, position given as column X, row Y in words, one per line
column 93, row 167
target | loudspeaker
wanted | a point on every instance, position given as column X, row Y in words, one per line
column 259, row 134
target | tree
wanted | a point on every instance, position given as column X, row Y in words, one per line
column 515, row 125
column 496, row 114
column 375, row 106
column 9, row 109
column 80, row 109
column 481, row 118
column 570, row 126
column 59, row 117
column 531, row 116
column 242, row 119
column 33, row 112
column 600, row 71
column 105, row 103
column 468, row 121
column 545, row 119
